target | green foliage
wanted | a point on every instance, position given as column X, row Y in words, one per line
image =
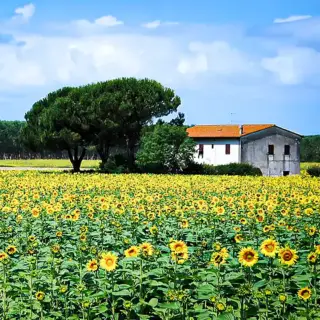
column 232, row 169
column 314, row 171
column 10, row 137
column 165, row 149
column 126, row 106
column 115, row 164
column 310, row 149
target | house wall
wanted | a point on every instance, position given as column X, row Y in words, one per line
column 217, row 155
column 255, row 152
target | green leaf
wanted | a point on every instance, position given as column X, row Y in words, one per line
column 122, row 293
column 205, row 291
column 226, row 316
column 103, row 308
column 153, row 302
column 260, row 284
column 170, row 305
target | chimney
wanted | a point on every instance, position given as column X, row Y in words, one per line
column 241, row 130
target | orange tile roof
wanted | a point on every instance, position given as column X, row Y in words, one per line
column 224, row 131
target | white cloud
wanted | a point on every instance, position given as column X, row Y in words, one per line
column 157, row 23
column 59, row 60
column 152, row 25
column 98, row 25
column 108, row 21
column 294, row 65
column 25, row 13
column 291, row 19
column 218, row 58
column 47, row 61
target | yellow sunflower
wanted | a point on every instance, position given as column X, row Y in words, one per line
column 238, row 238
column 59, row 234
column 305, row 293
column 11, row 250
column 269, row 248
column 178, row 246
column 3, row 256
column 224, row 252
column 312, row 231
column 55, row 248
column 248, row 257
column 312, row 258
column 288, row 256
column 220, row 306
column 243, row 221
column 154, row 230
column 266, row 229
column 220, row 211
column 179, row 257
column 108, row 261
column 147, row 249
column 35, row 212
column 217, row 259
column 184, row 224
column 92, row 265
column 132, row 252
column 40, row 295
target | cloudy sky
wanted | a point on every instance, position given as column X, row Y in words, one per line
column 233, row 61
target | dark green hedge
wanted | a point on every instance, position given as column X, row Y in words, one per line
column 232, row 169
column 314, row 171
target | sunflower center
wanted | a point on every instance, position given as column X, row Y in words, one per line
column 287, row 256
column 249, row 256
column 109, row 262
column 270, row 247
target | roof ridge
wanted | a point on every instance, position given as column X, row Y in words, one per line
column 230, row 125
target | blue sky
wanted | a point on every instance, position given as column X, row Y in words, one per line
column 230, row 61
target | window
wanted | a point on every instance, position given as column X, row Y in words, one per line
column 212, row 146
column 286, row 173
column 200, row 151
column 287, row 150
column 271, row 149
column 228, row 149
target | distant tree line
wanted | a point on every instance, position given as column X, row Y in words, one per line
column 310, row 149
column 13, row 147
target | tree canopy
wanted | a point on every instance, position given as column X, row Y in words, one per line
column 104, row 115
column 167, row 148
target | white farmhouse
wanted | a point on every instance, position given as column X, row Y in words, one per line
column 276, row 151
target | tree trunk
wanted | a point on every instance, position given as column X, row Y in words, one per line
column 75, row 159
column 104, row 152
column 131, row 154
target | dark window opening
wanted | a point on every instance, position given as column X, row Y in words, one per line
column 200, row 151
column 286, row 173
column 228, row 149
column 271, row 149
column 287, row 150
column 212, row 146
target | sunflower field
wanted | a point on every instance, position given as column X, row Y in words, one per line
column 91, row 246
